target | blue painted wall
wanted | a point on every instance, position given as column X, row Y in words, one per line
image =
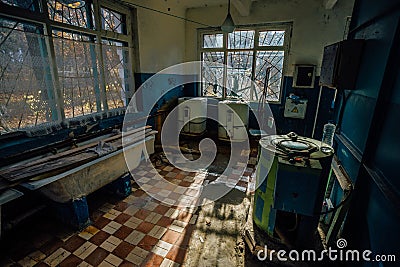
column 283, row 125
column 304, row 126
column 370, row 126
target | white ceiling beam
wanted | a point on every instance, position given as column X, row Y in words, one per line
column 243, row 6
column 329, row 4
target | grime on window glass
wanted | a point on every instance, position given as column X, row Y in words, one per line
column 63, row 66
column 249, row 55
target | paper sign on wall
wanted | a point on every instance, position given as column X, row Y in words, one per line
column 295, row 108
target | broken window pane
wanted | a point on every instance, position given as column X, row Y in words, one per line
column 118, row 74
column 274, row 61
column 246, row 62
column 113, row 21
column 241, row 40
column 271, row 38
column 212, row 73
column 213, row 40
column 239, row 74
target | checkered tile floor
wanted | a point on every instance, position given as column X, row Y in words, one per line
column 136, row 231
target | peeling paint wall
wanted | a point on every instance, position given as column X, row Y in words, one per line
column 165, row 41
column 161, row 37
column 313, row 25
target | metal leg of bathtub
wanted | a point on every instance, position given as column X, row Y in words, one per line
column 74, row 213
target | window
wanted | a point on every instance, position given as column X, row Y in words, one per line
column 73, row 14
column 112, row 21
column 77, row 67
column 256, row 54
column 118, row 73
column 77, row 62
column 25, row 92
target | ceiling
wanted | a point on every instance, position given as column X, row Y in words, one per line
column 243, row 6
column 203, row 3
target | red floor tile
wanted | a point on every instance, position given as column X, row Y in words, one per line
column 97, row 256
column 154, row 190
column 139, row 201
column 165, row 221
column 73, row 243
column 126, row 264
column 152, row 260
column 71, row 260
column 170, row 236
column 148, row 242
column 145, row 227
column 138, row 193
column 122, row 218
column 123, row 249
column 142, row 214
column 247, row 173
column 99, row 238
column 241, row 183
column 41, row 264
column 180, row 176
column 163, row 173
column 96, row 215
column 161, row 209
column 185, row 183
column 121, row 206
column 123, row 232
column 170, row 187
column 101, row 222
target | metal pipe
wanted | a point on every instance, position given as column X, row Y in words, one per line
column 316, row 112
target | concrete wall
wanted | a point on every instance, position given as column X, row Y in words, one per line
column 313, row 25
column 165, row 41
column 161, row 37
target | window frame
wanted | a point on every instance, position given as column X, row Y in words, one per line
column 284, row 26
column 41, row 17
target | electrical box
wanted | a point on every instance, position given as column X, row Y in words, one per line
column 340, row 64
column 304, row 76
column 295, row 108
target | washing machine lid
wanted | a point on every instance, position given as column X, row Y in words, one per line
column 294, row 145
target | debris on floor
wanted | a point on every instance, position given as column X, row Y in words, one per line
column 140, row 230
